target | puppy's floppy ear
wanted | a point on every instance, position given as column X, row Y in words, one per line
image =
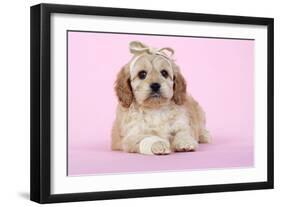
column 123, row 87
column 179, row 96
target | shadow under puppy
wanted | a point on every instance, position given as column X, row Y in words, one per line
column 155, row 114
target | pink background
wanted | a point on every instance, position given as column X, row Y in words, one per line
column 219, row 73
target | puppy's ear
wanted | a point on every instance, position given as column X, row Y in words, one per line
column 123, row 87
column 179, row 96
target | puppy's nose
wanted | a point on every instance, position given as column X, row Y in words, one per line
column 155, row 87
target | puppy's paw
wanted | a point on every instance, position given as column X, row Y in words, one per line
column 205, row 137
column 160, row 148
column 154, row 146
column 185, row 145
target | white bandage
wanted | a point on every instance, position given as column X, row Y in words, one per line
column 139, row 49
column 147, row 142
column 135, row 59
column 133, row 62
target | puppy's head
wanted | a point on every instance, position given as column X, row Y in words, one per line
column 151, row 78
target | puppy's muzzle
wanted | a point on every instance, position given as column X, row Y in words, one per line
column 155, row 87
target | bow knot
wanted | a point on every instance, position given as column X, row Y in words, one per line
column 138, row 48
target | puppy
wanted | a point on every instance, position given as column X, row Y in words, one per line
column 155, row 114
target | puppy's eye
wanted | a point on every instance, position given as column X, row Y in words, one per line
column 142, row 74
column 164, row 73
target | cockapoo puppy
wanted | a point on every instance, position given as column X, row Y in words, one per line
column 155, row 114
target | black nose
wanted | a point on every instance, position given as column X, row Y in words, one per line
column 155, row 87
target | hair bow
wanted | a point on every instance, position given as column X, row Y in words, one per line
column 138, row 48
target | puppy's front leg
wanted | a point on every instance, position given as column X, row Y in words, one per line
column 148, row 145
column 184, row 141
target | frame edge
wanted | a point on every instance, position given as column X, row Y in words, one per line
column 35, row 25
column 270, row 103
column 40, row 104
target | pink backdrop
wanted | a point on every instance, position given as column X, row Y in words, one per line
column 219, row 73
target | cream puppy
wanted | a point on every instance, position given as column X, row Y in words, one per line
column 155, row 114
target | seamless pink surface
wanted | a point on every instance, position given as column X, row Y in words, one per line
column 219, row 74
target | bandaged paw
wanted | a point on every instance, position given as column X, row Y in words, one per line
column 154, row 145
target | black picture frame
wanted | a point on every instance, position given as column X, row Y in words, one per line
column 40, row 184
